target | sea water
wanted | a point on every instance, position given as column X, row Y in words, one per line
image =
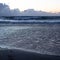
column 42, row 38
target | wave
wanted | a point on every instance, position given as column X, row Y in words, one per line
column 29, row 21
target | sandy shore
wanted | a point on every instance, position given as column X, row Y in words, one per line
column 14, row 54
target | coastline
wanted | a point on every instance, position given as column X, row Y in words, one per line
column 14, row 54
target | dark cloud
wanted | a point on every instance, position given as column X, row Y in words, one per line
column 6, row 11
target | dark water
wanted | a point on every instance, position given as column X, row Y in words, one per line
column 29, row 19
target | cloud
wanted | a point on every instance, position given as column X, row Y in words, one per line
column 6, row 11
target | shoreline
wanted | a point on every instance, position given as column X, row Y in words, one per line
column 15, row 54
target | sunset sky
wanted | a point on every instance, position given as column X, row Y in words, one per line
column 44, row 5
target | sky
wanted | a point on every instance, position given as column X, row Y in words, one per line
column 44, row 5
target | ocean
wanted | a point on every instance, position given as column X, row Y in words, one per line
column 40, row 35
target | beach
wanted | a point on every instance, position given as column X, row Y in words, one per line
column 15, row 54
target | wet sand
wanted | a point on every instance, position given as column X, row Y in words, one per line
column 14, row 54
